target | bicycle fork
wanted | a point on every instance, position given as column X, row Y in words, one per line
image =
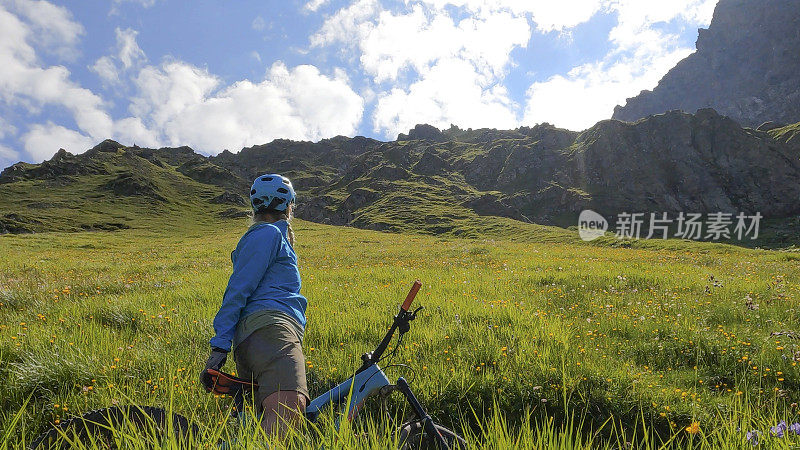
column 427, row 421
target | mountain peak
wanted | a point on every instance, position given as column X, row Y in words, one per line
column 107, row 145
column 423, row 132
column 746, row 67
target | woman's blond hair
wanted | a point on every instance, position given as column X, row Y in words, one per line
column 272, row 215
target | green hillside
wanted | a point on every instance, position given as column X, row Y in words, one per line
column 668, row 334
column 109, row 187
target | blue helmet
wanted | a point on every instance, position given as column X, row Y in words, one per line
column 271, row 191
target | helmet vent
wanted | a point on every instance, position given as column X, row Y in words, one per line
column 282, row 190
column 266, row 179
column 253, row 192
column 286, row 182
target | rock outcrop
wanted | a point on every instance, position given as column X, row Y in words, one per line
column 693, row 163
column 747, row 67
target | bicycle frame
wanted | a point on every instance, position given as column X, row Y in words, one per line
column 357, row 388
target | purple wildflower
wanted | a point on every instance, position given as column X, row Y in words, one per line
column 779, row 429
column 795, row 428
column 752, row 437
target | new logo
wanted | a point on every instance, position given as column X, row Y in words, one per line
column 591, row 225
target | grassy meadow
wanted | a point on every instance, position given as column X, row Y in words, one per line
column 530, row 340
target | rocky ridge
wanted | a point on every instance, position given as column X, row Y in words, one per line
column 432, row 179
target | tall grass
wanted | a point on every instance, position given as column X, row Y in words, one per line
column 495, row 431
column 586, row 344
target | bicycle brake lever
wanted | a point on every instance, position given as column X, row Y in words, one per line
column 403, row 326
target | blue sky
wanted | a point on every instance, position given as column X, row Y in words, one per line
column 218, row 75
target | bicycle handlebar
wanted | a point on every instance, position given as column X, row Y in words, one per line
column 401, row 321
column 411, row 294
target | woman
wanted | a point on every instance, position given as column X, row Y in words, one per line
column 263, row 313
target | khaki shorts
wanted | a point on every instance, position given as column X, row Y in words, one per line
column 273, row 357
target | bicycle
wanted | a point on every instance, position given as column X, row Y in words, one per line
column 418, row 433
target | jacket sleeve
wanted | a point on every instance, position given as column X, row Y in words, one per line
column 255, row 252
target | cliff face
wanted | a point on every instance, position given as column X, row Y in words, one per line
column 747, row 67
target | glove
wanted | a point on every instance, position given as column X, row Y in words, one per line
column 215, row 361
column 217, row 358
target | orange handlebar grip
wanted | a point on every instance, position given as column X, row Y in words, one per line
column 411, row 294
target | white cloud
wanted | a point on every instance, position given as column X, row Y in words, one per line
column 457, row 65
column 186, row 106
column 6, row 129
column 420, row 38
column 588, row 93
column 129, row 52
column 43, row 140
column 314, row 5
column 52, row 27
column 24, row 82
column 142, row 3
column 132, row 131
column 115, row 5
column 105, row 68
column 450, row 93
column 8, row 154
column 636, row 19
column 128, row 56
column 167, row 91
column 258, row 23
column 547, row 15
column 560, row 15
column 348, row 25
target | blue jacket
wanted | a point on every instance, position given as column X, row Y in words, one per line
column 265, row 276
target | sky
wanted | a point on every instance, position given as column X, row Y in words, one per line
column 218, row 75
